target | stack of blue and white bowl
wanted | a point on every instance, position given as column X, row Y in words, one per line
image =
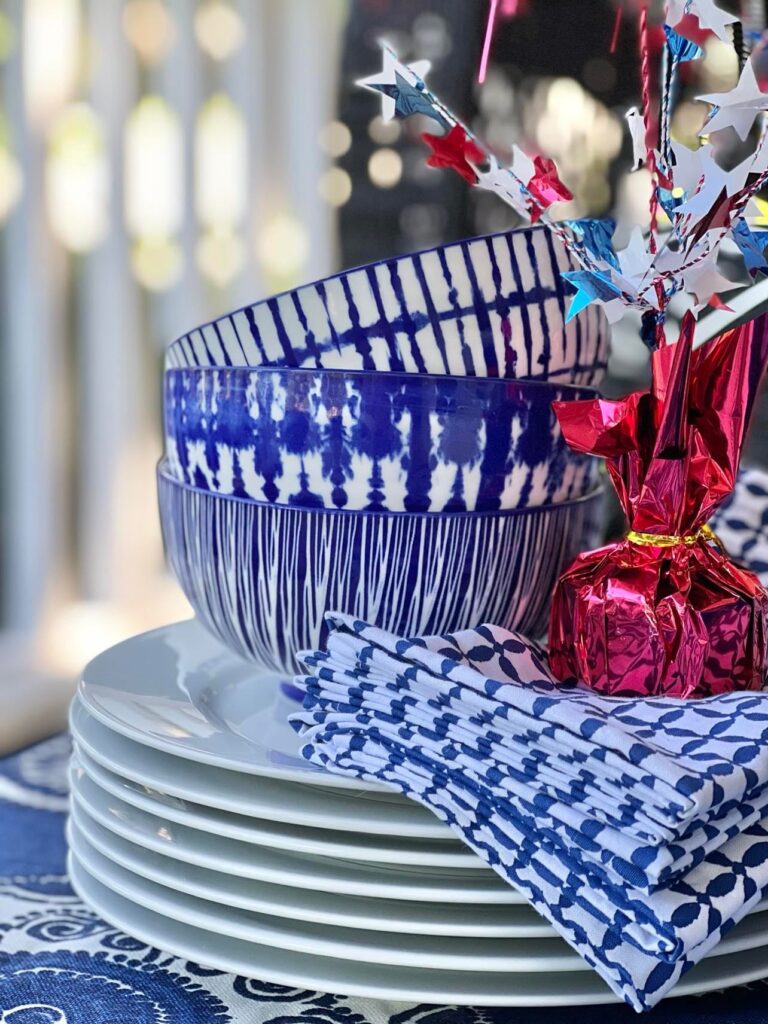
column 382, row 442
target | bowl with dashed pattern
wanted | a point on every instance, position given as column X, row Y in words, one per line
column 494, row 306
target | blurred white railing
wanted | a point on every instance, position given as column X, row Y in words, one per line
column 161, row 164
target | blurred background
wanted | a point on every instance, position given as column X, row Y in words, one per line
column 162, row 161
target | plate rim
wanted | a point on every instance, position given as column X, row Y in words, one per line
column 601, row 994
column 429, row 827
column 110, row 846
column 341, row 883
column 311, row 844
column 379, row 947
column 312, row 775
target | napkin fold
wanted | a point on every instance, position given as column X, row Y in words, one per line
column 639, row 936
column 581, row 827
column 638, row 827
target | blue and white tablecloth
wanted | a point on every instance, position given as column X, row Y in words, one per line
column 61, row 964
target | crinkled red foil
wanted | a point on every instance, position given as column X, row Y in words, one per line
column 681, row 621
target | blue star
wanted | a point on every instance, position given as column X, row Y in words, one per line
column 682, row 49
column 595, row 235
column 752, row 245
column 410, row 99
column 591, row 286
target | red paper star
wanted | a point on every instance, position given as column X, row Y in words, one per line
column 455, row 149
column 545, row 187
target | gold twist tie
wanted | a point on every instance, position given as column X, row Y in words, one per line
column 671, row 540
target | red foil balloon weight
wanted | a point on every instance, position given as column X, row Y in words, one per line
column 664, row 611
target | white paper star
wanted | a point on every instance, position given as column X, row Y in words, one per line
column 500, row 180
column 737, row 108
column 635, row 260
column 689, row 166
column 634, row 276
column 636, row 126
column 715, row 181
column 704, row 280
column 392, row 66
column 522, row 165
column 614, row 310
column 669, row 261
column 709, row 15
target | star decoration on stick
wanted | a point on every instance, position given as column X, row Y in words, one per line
column 545, row 187
column 505, row 182
column 594, row 286
column 705, row 203
column 737, row 108
column 400, row 97
column 456, row 150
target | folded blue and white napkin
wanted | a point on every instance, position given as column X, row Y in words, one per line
column 586, row 827
column 638, row 827
column 640, row 941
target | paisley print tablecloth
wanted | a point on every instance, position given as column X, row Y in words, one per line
column 61, row 964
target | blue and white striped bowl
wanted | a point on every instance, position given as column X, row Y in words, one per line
column 261, row 577
column 487, row 307
column 374, row 441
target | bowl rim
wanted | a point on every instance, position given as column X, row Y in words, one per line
column 596, row 493
column 403, row 376
column 521, row 229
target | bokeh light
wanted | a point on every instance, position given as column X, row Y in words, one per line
column 385, row 168
column 157, row 263
column 720, row 67
column 335, row 186
column 154, row 170
column 219, row 29
column 282, row 247
column 221, row 163
column 154, row 192
column 51, row 52
column 335, row 138
column 77, row 180
column 220, row 256
column 382, row 132
column 581, row 134
column 148, row 25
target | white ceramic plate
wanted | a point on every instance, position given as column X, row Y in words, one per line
column 263, row 797
column 230, row 856
column 437, row 954
column 378, row 981
column 400, row 916
column 323, row 842
column 430, row 952
column 179, row 690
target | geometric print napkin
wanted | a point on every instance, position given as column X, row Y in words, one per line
column 638, row 828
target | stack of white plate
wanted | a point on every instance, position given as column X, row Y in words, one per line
column 197, row 827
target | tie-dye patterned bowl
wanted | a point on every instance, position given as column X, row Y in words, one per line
column 392, row 442
column 261, row 577
column 487, row 307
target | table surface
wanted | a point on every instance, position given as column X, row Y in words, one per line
column 61, row 964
